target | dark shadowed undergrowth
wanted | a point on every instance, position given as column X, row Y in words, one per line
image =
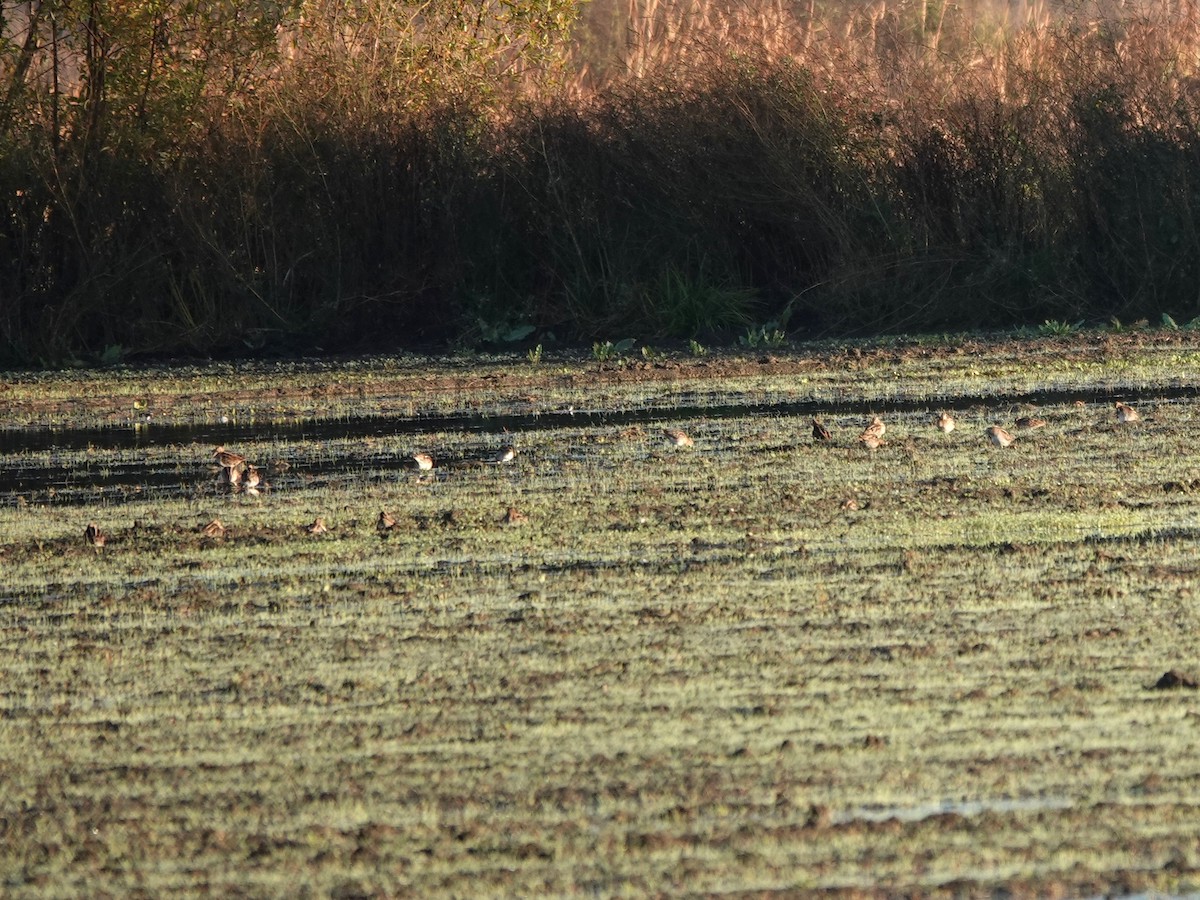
column 885, row 175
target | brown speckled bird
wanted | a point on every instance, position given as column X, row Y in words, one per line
column 228, row 459
column 999, row 436
column 945, row 422
column 1031, row 422
column 678, row 437
column 424, row 461
column 317, row 527
column 875, row 427
column 820, row 432
column 1126, row 413
column 94, row 536
column 252, row 480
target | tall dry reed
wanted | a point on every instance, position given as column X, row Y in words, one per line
column 682, row 169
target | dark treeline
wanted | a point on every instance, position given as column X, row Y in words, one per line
column 169, row 190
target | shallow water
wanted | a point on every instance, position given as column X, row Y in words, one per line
column 142, row 434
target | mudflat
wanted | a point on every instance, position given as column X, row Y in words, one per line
column 615, row 664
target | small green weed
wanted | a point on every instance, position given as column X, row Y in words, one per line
column 769, row 335
column 112, row 355
column 1057, row 328
column 1170, row 324
column 606, row 351
column 503, row 332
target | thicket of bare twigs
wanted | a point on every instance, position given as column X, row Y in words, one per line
column 381, row 175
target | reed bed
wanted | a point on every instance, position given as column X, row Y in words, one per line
column 659, row 170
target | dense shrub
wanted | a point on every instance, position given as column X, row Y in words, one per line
column 182, row 179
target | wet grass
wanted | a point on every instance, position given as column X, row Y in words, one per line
column 223, row 398
column 688, row 670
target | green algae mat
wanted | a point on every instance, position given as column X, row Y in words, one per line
column 758, row 665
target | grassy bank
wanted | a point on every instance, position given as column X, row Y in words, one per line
column 754, row 664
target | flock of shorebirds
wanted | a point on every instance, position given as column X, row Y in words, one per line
column 872, row 436
column 237, row 474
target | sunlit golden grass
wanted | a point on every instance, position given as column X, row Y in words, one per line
column 690, row 670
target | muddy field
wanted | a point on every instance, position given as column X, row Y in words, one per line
column 610, row 666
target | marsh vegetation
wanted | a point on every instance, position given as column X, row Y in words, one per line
column 756, row 663
column 321, row 175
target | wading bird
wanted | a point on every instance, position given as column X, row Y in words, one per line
column 514, row 516
column 424, row 461
column 678, row 437
column 820, row 432
column 317, row 527
column 94, row 536
column 385, row 522
column 253, row 480
column 870, row 440
column 1126, row 413
column 1031, row 422
column 228, row 459
column 945, row 422
column 875, row 427
column 999, row 436
column 215, row 528
column 233, row 468
column 230, row 478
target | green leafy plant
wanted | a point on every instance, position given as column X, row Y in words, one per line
column 503, row 332
column 769, row 335
column 1057, row 328
column 112, row 355
column 605, row 351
